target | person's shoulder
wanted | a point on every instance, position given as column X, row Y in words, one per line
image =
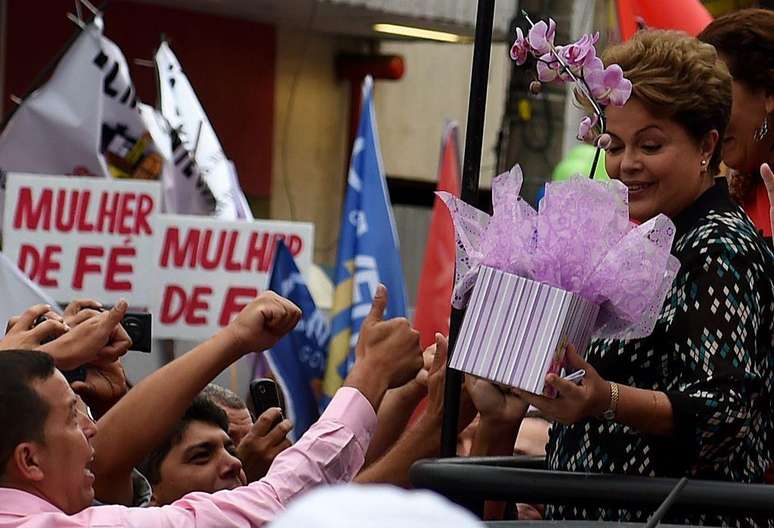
column 728, row 233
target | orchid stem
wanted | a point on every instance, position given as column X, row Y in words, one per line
column 580, row 82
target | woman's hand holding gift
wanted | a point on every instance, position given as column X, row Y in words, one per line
column 591, row 397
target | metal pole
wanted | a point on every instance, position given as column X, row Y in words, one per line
column 3, row 44
column 479, row 79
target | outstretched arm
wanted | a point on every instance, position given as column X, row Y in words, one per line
column 146, row 415
column 423, row 439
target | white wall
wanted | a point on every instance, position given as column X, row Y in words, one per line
column 412, row 111
column 311, row 126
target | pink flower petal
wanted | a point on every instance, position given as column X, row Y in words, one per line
column 621, row 93
column 613, row 76
column 551, row 30
column 595, row 65
column 584, row 128
column 541, row 36
column 545, row 74
column 548, row 68
column 594, row 75
column 520, row 49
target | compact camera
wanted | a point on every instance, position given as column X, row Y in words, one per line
column 138, row 325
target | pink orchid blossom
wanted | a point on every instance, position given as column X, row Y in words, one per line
column 541, row 36
column 586, row 127
column 548, row 68
column 607, row 85
column 582, row 52
column 604, row 141
column 520, row 49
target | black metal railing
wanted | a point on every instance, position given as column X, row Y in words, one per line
column 471, row 481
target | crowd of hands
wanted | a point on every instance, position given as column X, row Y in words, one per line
column 391, row 371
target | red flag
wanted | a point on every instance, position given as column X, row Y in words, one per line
column 437, row 278
column 686, row 15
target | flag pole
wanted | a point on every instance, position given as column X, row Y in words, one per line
column 474, row 132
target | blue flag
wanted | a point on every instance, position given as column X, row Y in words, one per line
column 298, row 360
column 368, row 249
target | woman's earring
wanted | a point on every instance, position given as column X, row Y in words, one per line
column 762, row 131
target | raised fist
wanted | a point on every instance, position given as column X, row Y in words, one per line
column 263, row 322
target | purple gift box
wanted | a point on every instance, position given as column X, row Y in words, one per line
column 515, row 329
column 534, row 281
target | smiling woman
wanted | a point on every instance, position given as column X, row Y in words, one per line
column 693, row 398
column 657, row 160
column 745, row 41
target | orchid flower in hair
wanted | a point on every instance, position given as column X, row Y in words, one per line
column 576, row 63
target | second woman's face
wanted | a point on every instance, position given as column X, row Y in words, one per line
column 740, row 151
column 656, row 159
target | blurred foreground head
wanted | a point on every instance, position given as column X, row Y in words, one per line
column 374, row 506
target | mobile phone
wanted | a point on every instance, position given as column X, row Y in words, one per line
column 576, row 377
column 139, row 327
column 264, row 394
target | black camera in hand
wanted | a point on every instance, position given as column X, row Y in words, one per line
column 138, row 325
column 41, row 320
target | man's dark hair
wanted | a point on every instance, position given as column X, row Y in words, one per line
column 202, row 409
column 23, row 412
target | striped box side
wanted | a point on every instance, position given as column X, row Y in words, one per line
column 513, row 328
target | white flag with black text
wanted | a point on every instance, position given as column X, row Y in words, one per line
column 84, row 120
column 181, row 107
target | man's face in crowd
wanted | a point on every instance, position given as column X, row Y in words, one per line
column 239, row 423
column 204, row 460
column 64, row 459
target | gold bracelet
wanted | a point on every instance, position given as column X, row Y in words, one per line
column 610, row 413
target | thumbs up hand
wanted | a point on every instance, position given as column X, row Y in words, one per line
column 768, row 179
column 387, row 353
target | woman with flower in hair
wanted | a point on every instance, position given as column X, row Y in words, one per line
column 694, row 398
column 745, row 41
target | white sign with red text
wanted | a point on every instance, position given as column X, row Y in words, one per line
column 82, row 237
column 106, row 239
column 207, row 270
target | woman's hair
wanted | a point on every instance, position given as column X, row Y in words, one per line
column 746, row 40
column 678, row 77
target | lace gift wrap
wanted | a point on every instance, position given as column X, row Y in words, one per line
column 580, row 241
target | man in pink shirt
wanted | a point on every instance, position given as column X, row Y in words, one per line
column 45, row 442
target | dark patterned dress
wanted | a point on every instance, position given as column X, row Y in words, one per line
column 711, row 353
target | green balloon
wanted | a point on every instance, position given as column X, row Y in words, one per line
column 579, row 161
